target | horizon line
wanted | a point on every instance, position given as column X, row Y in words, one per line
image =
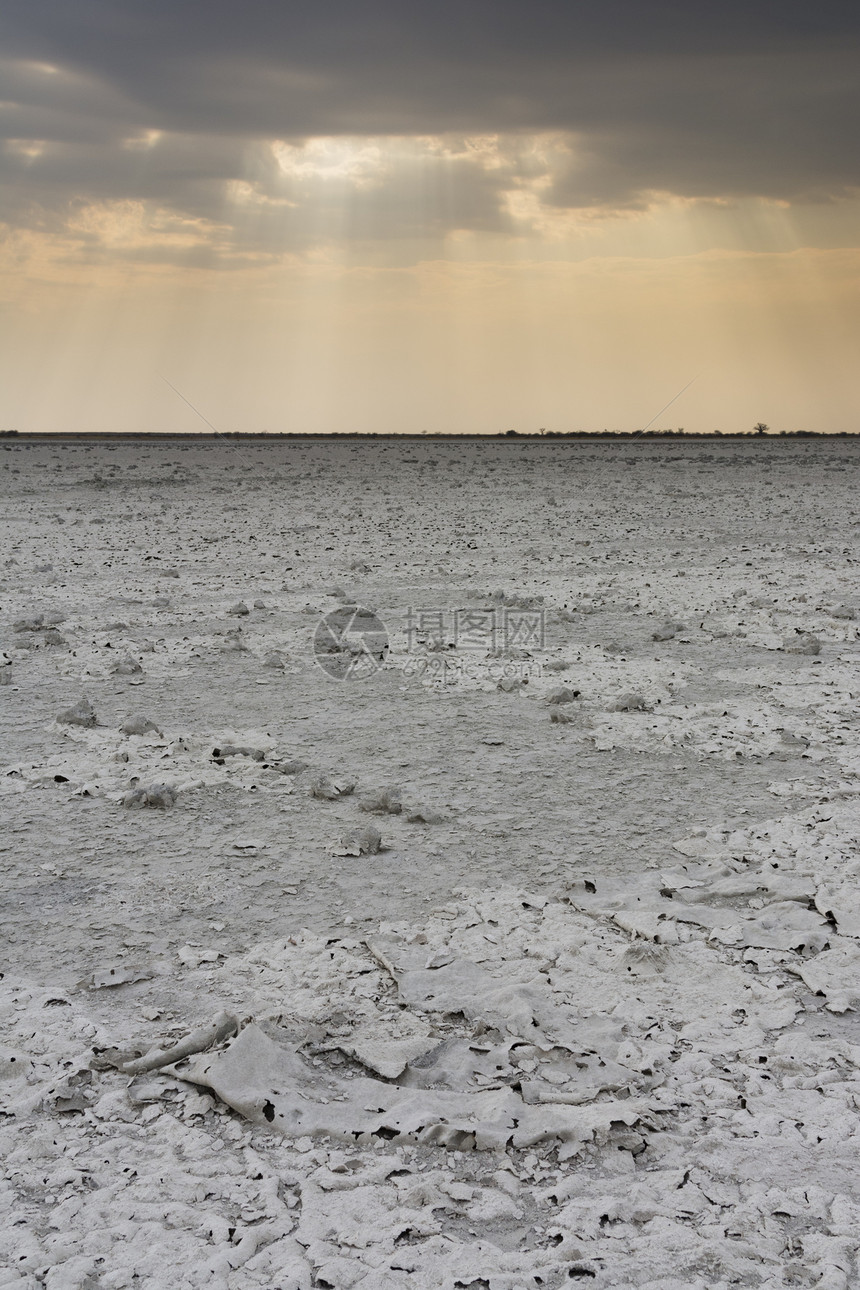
column 11, row 436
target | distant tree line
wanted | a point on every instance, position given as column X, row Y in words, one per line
column 759, row 429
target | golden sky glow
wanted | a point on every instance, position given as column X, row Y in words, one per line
column 565, row 278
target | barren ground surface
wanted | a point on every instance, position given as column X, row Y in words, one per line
column 589, row 1012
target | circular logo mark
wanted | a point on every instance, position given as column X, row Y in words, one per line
column 350, row 643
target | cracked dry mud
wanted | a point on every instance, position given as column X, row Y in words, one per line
column 525, row 967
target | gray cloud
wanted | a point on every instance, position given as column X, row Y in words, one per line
column 699, row 100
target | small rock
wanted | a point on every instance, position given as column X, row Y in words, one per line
column 127, row 666
column 259, row 604
column 802, row 643
column 274, row 659
column 563, row 695
column 293, row 766
column 327, row 789
column 39, row 622
column 632, row 702
column 232, row 642
column 366, row 841
column 238, row 750
column 239, row 610
column 424, row 815
column 560, row 717
column 106, row 978
column 156, row 795
column 139, row 726
column 82, row 714
column 383, row 801
column 664, row 633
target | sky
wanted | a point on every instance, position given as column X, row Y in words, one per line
column 453, row 217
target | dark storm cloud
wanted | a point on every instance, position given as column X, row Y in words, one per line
column 729, row 99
